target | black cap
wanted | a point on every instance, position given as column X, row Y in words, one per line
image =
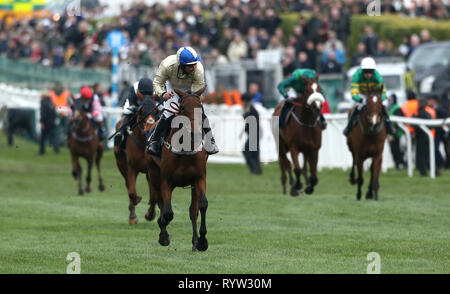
column 145, row 86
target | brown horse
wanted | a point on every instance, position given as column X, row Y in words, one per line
column 181, row 167
column 302, row 134
column 84, row 143
column 366, row 140
column 132, row 161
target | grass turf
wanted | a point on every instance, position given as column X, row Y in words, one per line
column 252, row 227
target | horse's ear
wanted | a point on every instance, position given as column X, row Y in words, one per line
column 381, row 89
column 317, row 77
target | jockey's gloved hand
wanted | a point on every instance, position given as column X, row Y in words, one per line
column 132, row 109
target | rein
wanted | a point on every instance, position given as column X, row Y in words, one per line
column 82, row 139
column 368, row 132
column 298, row 120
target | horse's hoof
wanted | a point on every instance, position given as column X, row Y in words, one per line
column 81, row 193
column 369, row 196
column 294, row 192
column 358, row 196
column 87, row 190
column 164, row 239
column 101, row 187
column 309, row 190
column 150, row 215
column 352, row 181
column 133, row 221
column 202, row 244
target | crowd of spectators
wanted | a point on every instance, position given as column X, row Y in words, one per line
column 221, row 31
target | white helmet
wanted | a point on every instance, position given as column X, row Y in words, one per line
column 368, row 63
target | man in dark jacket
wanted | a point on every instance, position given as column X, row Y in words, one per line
column 397, row 152
column 441, row 113
column 422, row 147
column 251, row 148
column 47, row 123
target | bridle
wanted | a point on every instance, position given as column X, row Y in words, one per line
column 297, row 119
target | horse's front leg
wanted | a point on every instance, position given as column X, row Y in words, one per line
column 376, row 174
column 76, row 173
column 312, row 159
column 166, row 215
column 90, row 163
column 297, row 187
column 352, row 173
column 134, row 199
column 360, row 180
column 369, row 194
column 98, row 158
column 155, row 195
column 199, row 201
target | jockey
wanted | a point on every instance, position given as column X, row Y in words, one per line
column 136, row 94
column 363, row 77
column 182, row 71
column 294, row 81
column 91, row 104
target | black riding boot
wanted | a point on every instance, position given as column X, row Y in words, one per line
column 283, row 113
column 121, row 137
column 210, row 146
column 351, row 121
column 323, row 122
column 101, row 132
column 154, row 143
column 389, row 127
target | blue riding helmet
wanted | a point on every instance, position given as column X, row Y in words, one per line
column 186, row 56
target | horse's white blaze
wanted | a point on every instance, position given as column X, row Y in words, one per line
column 314, row 87
column 374, row 99
column 374, row 119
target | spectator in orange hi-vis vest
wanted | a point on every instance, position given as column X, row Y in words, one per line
column 61, row 99
column 411, row 107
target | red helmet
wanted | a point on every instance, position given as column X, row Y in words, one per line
column 86, row 93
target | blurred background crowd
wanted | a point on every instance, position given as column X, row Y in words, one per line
column 222, row 31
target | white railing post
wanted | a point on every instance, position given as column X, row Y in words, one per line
column 431, row 152
column 408, row 148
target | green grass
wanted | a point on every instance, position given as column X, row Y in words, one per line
column 252, row 227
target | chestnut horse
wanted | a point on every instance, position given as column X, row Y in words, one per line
column 132, row 161
column 84, row 142
column 181, row 167
column 366, row 140
column 302, row 134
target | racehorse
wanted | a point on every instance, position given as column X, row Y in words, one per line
column 366, row 140
column 132, row 161
column 181, row 167
column 84, row 143
column 302, row 134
